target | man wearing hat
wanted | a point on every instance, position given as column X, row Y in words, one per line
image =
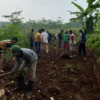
column 29, row 58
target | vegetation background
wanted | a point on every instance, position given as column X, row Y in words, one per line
column 87, row 19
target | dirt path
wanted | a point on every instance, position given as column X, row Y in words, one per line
column 60, row 79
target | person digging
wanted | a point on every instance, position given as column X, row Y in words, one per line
column 5, row 45
column 29, row 62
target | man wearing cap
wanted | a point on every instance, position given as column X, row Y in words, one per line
column 29, row 63
column 5, row 45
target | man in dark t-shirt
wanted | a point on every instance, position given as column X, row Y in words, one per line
column 32, row 38
column 59, row 38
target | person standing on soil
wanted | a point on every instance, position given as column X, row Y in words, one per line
column 29, row 58
column 65, row 42
column 82, row 47
column 38, row 40
column 5, row 45
column 32, row 39
column 44, row 40
column 72, row 42
column 49, row 37
column 59, row 38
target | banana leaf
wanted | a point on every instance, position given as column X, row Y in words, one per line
column 75, row 13
column 73, row 19
column 90, row 2
column 78, row 6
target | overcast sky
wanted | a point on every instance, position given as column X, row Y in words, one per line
column 38, row 9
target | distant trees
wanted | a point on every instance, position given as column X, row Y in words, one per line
column 14, row 17
column 47, row 24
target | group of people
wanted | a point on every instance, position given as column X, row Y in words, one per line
column 68, row 42
column 26, row 61
column 41, row 39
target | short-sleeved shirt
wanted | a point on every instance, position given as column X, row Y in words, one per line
column 44, row 37
column 66, row 38
column 31, row 36
column 28, row 55
column 38, row 37
column 72, row 39
column 83, row 37
column 59, row 36
column 49, row 36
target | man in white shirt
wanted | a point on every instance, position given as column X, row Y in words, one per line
column 44, row 36
column 72, row 43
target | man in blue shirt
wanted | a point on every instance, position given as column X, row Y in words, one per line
column 82, row 47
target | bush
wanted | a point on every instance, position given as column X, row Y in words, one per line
column 14, row 30
column 93, row 41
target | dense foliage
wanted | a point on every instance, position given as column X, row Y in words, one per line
column 22, row 30
column 93, row 41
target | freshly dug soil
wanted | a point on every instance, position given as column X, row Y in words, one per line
column 60, row 79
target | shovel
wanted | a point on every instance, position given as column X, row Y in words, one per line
column 8, row 73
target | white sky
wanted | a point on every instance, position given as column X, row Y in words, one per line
column 38, row 9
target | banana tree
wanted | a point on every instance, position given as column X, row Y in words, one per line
column 86, row 15
column 80, row 15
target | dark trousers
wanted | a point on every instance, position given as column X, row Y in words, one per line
column 37, row 44
column 49, row 41
column 82, row 48
column 31, row 42
column 59, row 44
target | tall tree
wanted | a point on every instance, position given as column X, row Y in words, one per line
column 14, row 17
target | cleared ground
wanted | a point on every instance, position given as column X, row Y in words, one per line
column 61, row 79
